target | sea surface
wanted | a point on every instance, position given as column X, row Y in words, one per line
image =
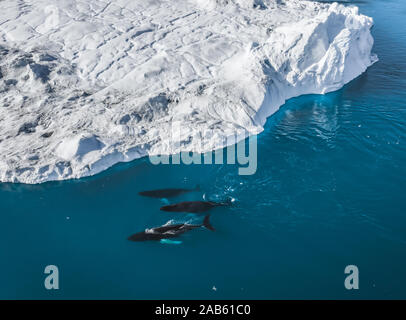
column 329, row 191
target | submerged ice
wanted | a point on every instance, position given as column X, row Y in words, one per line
column 84, row 85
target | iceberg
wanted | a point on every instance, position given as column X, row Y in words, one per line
column 87, row 84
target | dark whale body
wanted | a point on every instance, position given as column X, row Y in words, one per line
column 169, row 231
column 192, row 206
column 167, row 193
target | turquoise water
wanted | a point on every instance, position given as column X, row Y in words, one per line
column 329, row 192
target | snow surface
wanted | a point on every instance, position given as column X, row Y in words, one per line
column 87, row 84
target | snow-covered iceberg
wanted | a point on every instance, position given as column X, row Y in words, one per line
column 87, row 84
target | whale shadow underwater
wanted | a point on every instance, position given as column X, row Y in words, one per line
column 167, row 193
column 194, row 206
column 169, row 231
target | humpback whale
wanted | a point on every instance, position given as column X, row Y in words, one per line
column 169, row 231
column 193, row 206
column 167, row 193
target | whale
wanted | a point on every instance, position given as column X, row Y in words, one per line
column 167, row 193
column 193, row 206
column 169, row 231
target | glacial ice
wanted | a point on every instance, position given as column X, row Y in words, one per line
column 87, row 84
